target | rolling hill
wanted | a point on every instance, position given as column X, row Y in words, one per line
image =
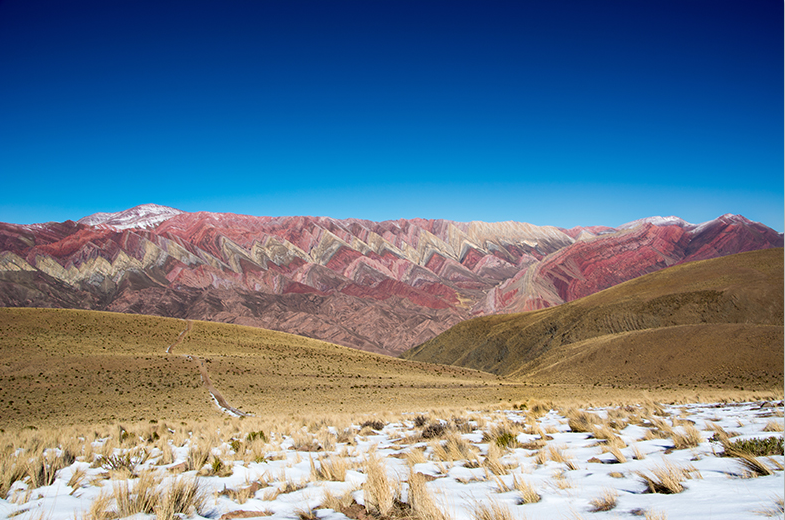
column 715, row 322
column 71, row 366
column 377, row 286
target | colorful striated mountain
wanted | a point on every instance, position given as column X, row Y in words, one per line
column 377, row 286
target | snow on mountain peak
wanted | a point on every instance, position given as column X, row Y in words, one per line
column 657, row 221
column 143, row 216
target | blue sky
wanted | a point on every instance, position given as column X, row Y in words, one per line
column 558, row 112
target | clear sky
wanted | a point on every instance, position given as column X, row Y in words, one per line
column 550, row 112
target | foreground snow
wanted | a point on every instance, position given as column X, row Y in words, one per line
column 464, row 467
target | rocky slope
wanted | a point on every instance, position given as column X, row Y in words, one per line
column 378, row 286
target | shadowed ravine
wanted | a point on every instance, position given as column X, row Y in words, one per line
column 208, row 384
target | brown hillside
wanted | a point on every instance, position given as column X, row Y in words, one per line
column 713, row 322
column 70, row 366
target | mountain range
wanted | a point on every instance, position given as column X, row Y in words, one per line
column 378, row 286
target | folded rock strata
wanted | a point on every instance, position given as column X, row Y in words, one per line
column 377, row 286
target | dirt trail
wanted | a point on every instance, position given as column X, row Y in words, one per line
column 188, row 325
column 208, row 384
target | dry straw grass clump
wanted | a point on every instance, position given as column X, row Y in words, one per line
column 182, row 497
column 581, row 421
column 420, row 499
column 605, row 502
column 378, row 491
column 493, row 462
column 774, row 426
column 337, row 503
column 491, row 510
column 617, row 454
column 329, row 468
column 667, row 479
column 753, row 466
column 455, row 448
column 690, row 438
column 143, row 498
column 605, row 433
column 527, row 491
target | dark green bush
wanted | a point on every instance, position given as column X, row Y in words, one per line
column 756, row 447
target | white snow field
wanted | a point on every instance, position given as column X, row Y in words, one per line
column 507, row 464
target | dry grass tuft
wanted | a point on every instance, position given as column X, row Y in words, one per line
column 337, row 503
column 774, row 426
column 197, row 457
column 493, row 461
column 667, row 479
column 243, row 494
column 330, row 468
column 420, row 499
column 77, row 478
column 605, row 502
column 637, row 454
column 415, row 456
column 182, row 497
column 504, row 434
column 605, row 433
column 691, row 437
column 527, row 491
column 306, row 514
column 100, row 508
column 752, row 465
column 42, row 467
column 378, row 492
column 144, row 498
column 582, row 421
column 617, row 454
column 776, row 510
column 491, row 510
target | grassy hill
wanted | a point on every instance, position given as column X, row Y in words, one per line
column 71, row 366
column 715, row 323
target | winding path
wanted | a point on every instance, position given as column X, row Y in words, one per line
column 208, row 384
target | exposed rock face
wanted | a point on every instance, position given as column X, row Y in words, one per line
column 378, row 286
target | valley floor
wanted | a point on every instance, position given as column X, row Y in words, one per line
column 533, row 461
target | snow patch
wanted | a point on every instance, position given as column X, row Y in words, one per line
column 145, row 216
column 657, row 221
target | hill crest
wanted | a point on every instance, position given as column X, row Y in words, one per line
column 740, row 295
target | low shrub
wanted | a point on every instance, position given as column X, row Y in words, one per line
column 756, row 447
column 433, row 430
column 374, row 425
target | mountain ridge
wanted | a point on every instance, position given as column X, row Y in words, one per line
column 379, row 286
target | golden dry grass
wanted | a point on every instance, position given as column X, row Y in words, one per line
column 67, row 367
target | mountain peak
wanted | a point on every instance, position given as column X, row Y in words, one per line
column 142, row 216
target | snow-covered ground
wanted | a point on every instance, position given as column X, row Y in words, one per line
column 491, row 458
